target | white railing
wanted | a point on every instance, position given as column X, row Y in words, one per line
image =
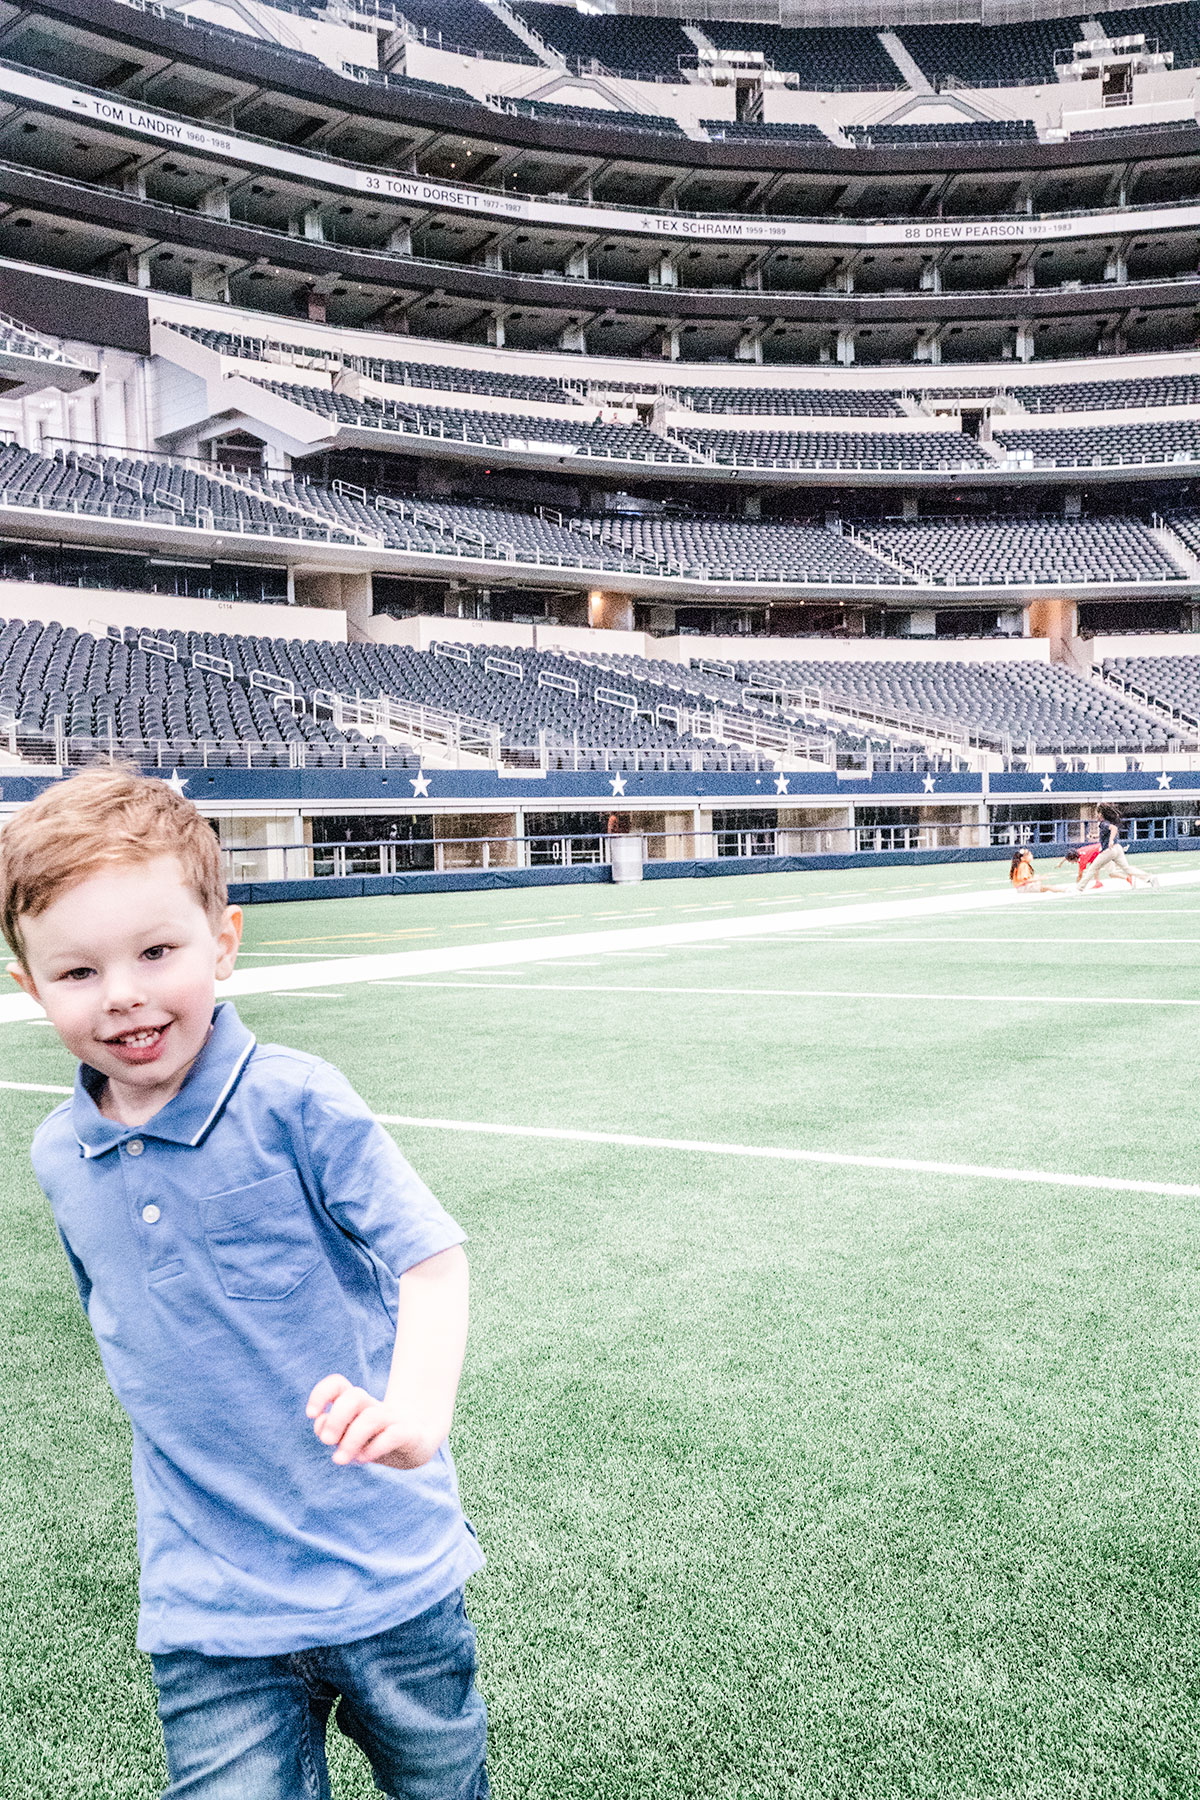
column 1162, row 709
column 45, row 348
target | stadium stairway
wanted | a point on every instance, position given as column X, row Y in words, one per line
column 532, row 40
column 1176, row 548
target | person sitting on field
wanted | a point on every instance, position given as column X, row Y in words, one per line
column 280, row 1306
column 1025, row 878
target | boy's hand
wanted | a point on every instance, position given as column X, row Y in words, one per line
column 366, row 1430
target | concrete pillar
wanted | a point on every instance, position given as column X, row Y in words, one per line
column 577, row 262
column 928, row 347
column 670, row 343
column 1057, row 620
column 845, row 346
column 358, row 604
column 1023, row 346
column 931, row 278
column 749, row 345
column 137, row 270
column 214, row 203
column 399, row 241
column 573, row 337
column 133, row 183
column 495, row 330
column 610, row 612
column 664, row 273
column 349, row 593
column 1117, row 267
column 210, row 284
column 308, row 224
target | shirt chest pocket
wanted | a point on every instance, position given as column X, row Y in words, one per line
column 261, row 1238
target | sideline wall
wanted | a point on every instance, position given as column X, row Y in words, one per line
column 259, row 893
column 94, row 609
column 420, row 633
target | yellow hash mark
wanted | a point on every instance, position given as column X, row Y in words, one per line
column 345, row 937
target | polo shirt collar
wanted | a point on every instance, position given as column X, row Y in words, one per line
column 186, row 1118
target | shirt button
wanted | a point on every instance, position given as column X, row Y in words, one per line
column 151, row 1214
column 135, row 1146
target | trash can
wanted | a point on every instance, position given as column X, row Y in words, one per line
column 625, row 856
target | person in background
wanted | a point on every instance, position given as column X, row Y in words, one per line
column 1112, row 856
column 1025, row 878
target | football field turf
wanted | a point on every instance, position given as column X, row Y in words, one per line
column 831, row 1478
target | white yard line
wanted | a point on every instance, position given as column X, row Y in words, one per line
column 341, row 970
column 301, row 994
column 984, row 938
column 620, row 1140
column 749, row 993
column 286, row 955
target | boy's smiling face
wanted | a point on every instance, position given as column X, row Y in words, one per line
column 125, row 966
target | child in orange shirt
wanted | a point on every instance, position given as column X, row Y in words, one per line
column 1024, row 878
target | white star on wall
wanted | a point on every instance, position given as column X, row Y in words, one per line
column 420, row 785
column 1047, row 784
column 177, row 782
column 1164, row 781
column 781, row 784
column 618, row 785
column 927, row 784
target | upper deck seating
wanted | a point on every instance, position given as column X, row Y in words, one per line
column 16, row 340
column 652, row 47
column 1006, row 551
column 505, row 430
column 392, row 370
column 842, row 449
column 1112, row 131
column 587, row 115
column 747, row 550
column 795, row 403
column 981, row 55
column 156, row 492
column 946, row 131
column 1165, row 441
column 762, row 131
column 826, row 57
column 469, row 24
column 410, row 84
column 1024, row 53
column 1096, row 396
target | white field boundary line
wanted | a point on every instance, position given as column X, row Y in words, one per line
column 744, row 993
column 620, row 1140
column 344, row 970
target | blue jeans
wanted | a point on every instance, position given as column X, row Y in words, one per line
column 253, row 1727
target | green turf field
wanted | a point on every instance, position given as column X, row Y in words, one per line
column 794, row 1480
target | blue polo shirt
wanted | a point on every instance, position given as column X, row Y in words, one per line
column 245, row 1242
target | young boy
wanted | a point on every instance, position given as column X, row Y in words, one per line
column 281, row 1308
